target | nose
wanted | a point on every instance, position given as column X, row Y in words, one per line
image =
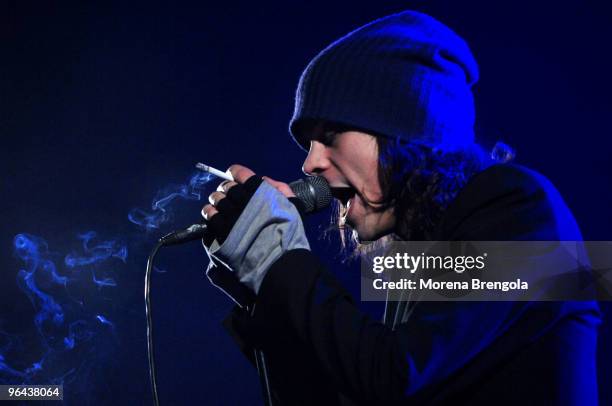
column 317, row 160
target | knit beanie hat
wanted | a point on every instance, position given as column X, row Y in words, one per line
column 406, row 75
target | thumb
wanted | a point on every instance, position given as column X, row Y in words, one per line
column 280, row 186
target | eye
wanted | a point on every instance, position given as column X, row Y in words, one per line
column 328, row 137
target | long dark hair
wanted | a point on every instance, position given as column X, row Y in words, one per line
column 419, row 182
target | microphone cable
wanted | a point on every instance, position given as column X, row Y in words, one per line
column 149, row 313
column 260, row 361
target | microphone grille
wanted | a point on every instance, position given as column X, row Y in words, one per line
column 313, row 191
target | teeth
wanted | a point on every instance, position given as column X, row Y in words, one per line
column 346, row 211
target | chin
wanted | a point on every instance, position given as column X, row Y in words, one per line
column 365, row 236
column 370, row 234
column 371, row 228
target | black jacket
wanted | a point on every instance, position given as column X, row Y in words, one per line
column 322, row 350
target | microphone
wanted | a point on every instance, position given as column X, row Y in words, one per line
column 312, row 192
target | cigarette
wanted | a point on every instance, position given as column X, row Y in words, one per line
column 216, row 172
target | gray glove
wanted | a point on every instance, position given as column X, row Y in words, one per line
column 269, row 226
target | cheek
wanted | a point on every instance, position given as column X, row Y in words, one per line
column 372, row 189
column 369, row 171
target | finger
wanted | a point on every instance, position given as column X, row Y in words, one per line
column 225, row 186
column 280, row 186
column 240, row 173
column 208, row 211
column 215, row 197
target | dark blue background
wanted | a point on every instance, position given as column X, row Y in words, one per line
column 101, row 106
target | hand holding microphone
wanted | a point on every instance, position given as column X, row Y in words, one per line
column 255, row 220
column 308, row 195
column 231, row 197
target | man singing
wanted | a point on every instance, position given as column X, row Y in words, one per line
column 386, row 114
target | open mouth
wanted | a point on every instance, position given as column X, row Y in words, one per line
column 344, row 194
